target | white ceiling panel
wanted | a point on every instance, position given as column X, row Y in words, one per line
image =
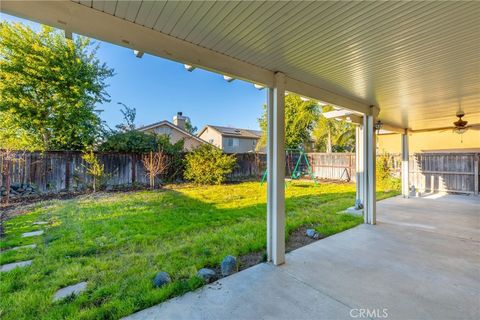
column 419, row 61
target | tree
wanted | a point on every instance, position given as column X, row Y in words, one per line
column 189, row 127
column 155, row 164
column 95, row 169
column 129, row 115
column 14, row 142
column 51, row 85
column 331, row 135
column 300, row 118
column 125, row 138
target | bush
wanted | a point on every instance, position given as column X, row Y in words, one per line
column 208, row 165
column 130, row 141
column 95, row 169
column 386, row 180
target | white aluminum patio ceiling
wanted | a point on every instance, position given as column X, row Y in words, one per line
column 418, row 61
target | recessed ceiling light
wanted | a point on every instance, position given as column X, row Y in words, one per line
column 228, row 78
column 189, row 67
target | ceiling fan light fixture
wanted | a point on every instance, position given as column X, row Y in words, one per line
column 459, row 130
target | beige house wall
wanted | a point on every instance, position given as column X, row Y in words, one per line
column 212, row 136
column 175, row 136
column 244, row 145
column 433, row 141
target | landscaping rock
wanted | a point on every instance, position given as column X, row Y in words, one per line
column 229, row 266
column 208, row 275
column 161, row 279
column 354, row 212
column 39, row 223
column 28, row 246
column 18, row 190
column 32, row 234
column 11, row 266
column 310, row 233
column 358, row 204
column 73, row 290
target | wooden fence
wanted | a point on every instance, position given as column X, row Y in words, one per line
column 445, row 172
column 52, row 172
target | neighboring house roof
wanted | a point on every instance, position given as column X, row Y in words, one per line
column 234, row 132
column 171, row 125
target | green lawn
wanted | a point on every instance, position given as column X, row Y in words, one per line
column 118, row 242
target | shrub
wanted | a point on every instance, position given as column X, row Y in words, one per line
column 208, row 165
column 95, row 169
column 386, row 179
column 130, row 141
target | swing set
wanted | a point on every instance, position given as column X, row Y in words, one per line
column 298, row 170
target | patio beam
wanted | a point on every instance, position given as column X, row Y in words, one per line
column 93, row 23
column 405, row 166
column 276, row 171
column 318, row 93
column 89, row 22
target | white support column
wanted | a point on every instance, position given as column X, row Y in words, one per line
column 270, row 151
column 370, row 166
column 359, row 164
column 405, row 157
column 276, row 171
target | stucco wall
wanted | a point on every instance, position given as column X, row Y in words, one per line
column 431, row 142
column 244, row 145
column 175, row 135
column 212, row 136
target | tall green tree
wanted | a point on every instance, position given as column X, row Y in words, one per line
column 300, row 118
column 189, row 127
column 50, row 85
column 331, row 135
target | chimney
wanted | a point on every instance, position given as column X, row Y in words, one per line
column 179, row 120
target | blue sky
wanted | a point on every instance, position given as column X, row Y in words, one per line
column 158, row 88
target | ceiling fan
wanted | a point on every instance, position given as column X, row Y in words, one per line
column 461, row 126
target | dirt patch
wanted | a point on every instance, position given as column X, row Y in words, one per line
column 251, row 259
column 298, row 239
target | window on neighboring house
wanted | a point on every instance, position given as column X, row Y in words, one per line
column 232, row 142
column 164, row 131
column 211, row 140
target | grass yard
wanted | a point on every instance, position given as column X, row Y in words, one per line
column 118, row 242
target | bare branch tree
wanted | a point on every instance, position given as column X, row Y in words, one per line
column 155, row 164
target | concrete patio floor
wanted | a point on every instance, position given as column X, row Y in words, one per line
column 421, row 261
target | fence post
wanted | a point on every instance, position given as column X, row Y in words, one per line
column 475, row 170
column 67, row 172
column 133, row 161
